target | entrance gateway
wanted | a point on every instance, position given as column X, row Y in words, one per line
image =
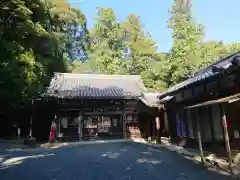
column 95, row 106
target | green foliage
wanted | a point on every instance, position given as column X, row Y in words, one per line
column 140, row 47
column 122, row 48
column 189, row 52
column 153, row 77
column 41, row 37
column 106, row 48
column 35, row 37
column 187, row 39
column 126, row 48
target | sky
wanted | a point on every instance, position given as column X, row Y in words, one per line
column 220, row 18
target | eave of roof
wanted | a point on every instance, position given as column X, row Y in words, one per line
column 150, row 99
column 202, row 74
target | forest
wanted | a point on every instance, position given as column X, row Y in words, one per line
column 40, row 37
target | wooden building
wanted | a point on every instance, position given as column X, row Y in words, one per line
column 151, row 117
column 219, row 80
column 96, row 106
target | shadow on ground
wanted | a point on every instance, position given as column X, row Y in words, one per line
column 112, row 161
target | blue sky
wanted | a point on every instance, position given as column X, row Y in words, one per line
column 220, row 18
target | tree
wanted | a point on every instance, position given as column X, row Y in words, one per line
column 153, row 77
column 88, row 67
column 212, row 51
column 34, row 44
column 69, row 25
column 140, row 48
column 106, row 46
column 187, row 38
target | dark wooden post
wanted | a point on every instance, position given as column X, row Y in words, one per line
column 153, row 128
column 226, row 137
column 80, row 128
column 30, row 129
column 199, row 138
column 148, row 127
column 124, row 126
column 165, row 116
column 58, row 121
column 184, row 118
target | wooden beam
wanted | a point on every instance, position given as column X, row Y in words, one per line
column 102, row 113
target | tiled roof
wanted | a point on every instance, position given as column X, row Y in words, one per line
column 203, row 74
column 150, row 99
column 69, row 85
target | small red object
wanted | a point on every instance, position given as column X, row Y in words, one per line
column 52, row 132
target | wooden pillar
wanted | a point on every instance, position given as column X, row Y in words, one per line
column 153, row 128
column 124, row 126
column 80, row 118
column 145, row 127
column 185, row 120
column 59, row 126
column 199, row 138
column 31, row 119
column 165, row 116
column 184, row 117
column 148, row 127
column 157, row 121
column 226, row 137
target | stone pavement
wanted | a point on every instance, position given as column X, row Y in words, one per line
column 105, row 161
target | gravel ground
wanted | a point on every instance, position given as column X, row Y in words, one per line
column 110, row 161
